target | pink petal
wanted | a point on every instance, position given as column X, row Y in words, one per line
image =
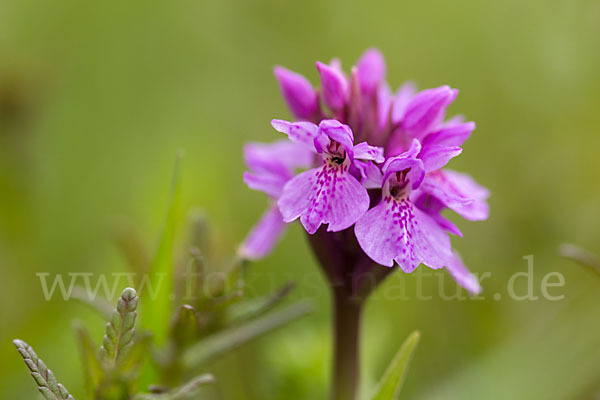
column 398, row 231
column 326, row 195
column 384, row 104
column 371, row 70
column 435, row 157
column 270, row 184
column 371, row 176
column 334, row 86
column 335, row 131
column 462, row 276
column 459, row 192
column 299, row 132
column 450, row 135
column 282, row 154
column 406, row 160
column 364, row 151
column 297, row 92
column 433, row 207
column 426, row 110
column 403, row 96
column 263, row 237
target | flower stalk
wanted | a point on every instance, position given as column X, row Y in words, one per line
column 352, row 278
column 346, row 336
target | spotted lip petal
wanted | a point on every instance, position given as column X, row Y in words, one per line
column 396, row 231
column 297, row 92
column 264, row 236
column 327, row 195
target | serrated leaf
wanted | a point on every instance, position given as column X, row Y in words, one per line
column 120, row 329
column 43, row 377
column 137, row 350
column 232, row 338
column 390, row 385
column 161, row 274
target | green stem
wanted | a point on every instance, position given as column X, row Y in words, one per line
column 346, row 337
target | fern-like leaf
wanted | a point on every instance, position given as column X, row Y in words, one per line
column 43, row 377
column 120, row 330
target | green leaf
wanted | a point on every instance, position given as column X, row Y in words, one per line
column 246, row 310
column 391, row 383
column 234, row 337
column 93, row 371
column 43, row 377
column 186, row 391
column 159, row 303
column 118, row 339
column 186, row 326
column 232, row 284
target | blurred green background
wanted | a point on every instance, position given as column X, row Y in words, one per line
column 96, row 98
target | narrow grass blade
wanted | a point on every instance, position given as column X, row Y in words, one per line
column 390, row 385
column 232, row 338
column 44, row 378
column 161, row 269
column 120, row 330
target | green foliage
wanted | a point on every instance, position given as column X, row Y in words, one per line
column 43, row 377
column 227, row 340
column 161, row 269
column 186, row 391
column 217, row 319
column 92, row 368
column 120, row 330
column 390, row 385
